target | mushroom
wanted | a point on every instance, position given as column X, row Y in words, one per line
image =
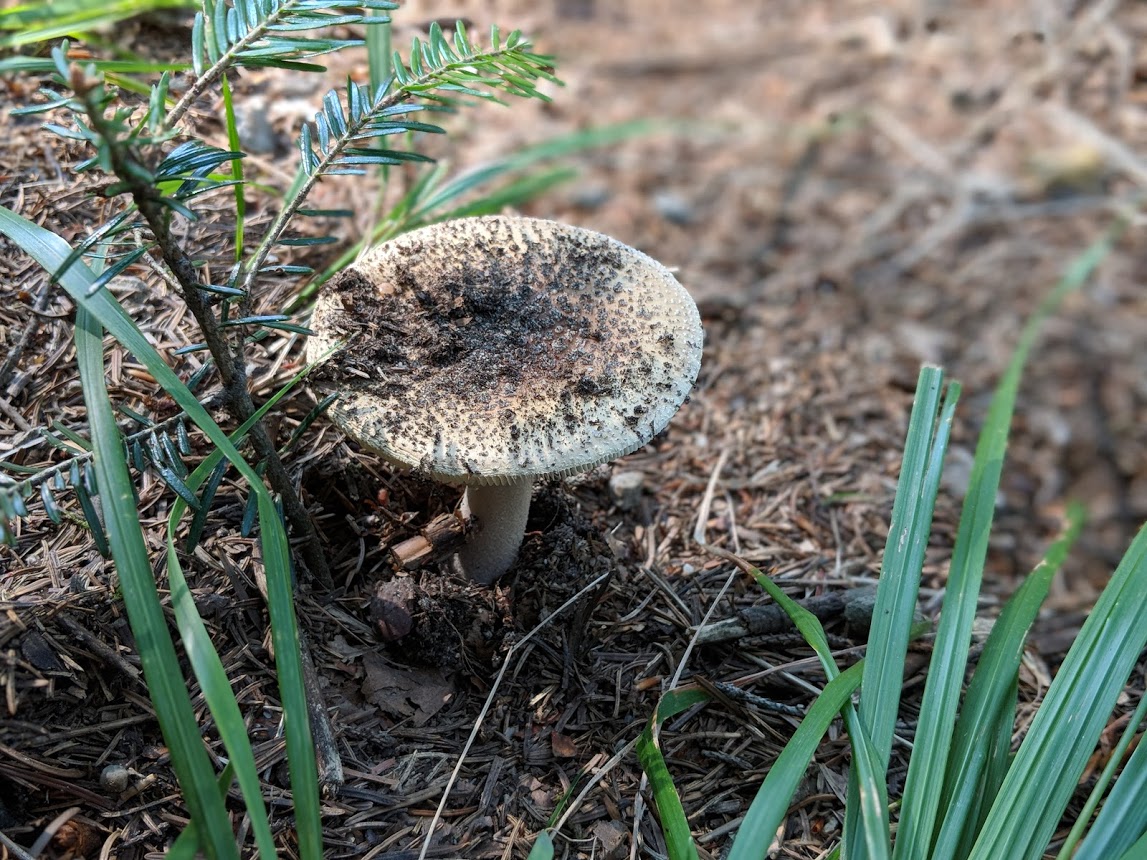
column 494, row 351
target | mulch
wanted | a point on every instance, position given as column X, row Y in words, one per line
column 849, row 191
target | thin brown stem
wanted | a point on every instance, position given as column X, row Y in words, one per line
column 228, row 356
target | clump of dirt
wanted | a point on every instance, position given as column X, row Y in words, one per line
column 472, row 324
column 458, row 626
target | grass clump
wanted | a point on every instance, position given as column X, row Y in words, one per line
column 967, row 796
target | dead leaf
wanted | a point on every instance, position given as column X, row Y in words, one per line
column 563, row 745
column 417, row 694
column 611, row 835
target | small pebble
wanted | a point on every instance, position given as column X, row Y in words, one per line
column 115, row 778
column 590, row 196
column 673, row 207
column 625, row 488
column 254, row 126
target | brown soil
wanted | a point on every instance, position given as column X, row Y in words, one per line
column 849, row 190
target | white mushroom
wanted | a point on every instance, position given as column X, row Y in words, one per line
column 493, row 351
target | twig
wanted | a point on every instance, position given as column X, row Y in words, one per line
column 598, row 776
column 699, row 537
column 330, row 763
column 696, row 638
column 17, row 351
column 97, row 647
column 707, row 499
column 228, row 358
column 855, row 604
column 13, row 415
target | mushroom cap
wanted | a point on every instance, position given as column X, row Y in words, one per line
column 499, row 349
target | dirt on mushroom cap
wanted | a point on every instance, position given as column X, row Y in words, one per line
column 490, row 350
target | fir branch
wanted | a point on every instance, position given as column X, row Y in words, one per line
column 139, row 182
column 60, row 473
column 436, row 67
column 229, row 39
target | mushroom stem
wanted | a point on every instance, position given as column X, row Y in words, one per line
column 501, row 513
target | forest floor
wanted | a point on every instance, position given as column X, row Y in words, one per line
column 849, row 190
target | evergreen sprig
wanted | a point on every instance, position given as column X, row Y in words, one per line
column 267, row 33
column 440, row 66
column 331, row 151
column 440, row 70
column 159, row 448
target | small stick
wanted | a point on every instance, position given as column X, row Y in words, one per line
column 327, row 757
column 855, row 605
column 441, row 537
column 25, row 338
column 329, row 762
column 90, row 641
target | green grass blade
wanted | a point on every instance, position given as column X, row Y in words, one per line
column 378, row 49
column 141, row 599
column 807, row 624
column 999, row 760
column 44, row 65
column 205, row 660
column 1123, row 818
column 543, row 848
column 561, row 146
column 34, row 23
column 216, row 687
column 1138, row 851
column 894, row 612
column 50, row 251
column 186, row 845
column 899, row 583
column 866, row 780
column 513, row 194
column 236, row 165
column 771, row 804
column 986, row 701
column 932, row 746
column 1067, row 725
column 674, row 825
